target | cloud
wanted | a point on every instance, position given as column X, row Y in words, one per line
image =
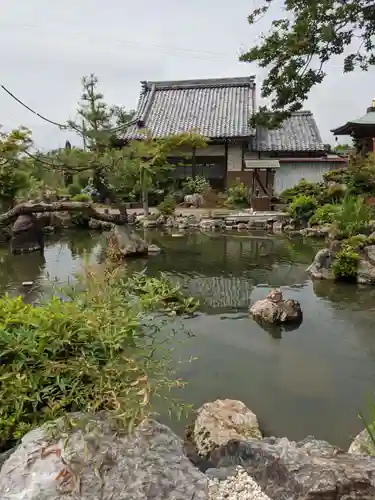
column 51, row 45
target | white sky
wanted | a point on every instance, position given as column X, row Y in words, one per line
column 47, row 46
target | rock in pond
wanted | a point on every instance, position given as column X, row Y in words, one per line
column 123, row 243
column 275, row 310
column 27, row 235
column 321, row 267
column 102, row 464
column 220, row 421
column 307, row 470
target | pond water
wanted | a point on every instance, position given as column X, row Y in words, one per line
column 310, row 380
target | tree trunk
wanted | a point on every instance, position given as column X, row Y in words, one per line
column 60, row 206
column 146, row 208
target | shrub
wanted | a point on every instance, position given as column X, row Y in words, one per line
column 332, row 194
column 303, row 207
column 82, row 197
column 324, row 214
column 167, row 206
column 353, row 217
column 302, row 188
column 198, row 185
column 74, row 189
column 346, row 264
column 92, row 352
column 358, row 241
column 237, row 195
column 339, row 176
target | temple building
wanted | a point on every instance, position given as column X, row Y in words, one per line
column 362, row 130
column 267, row 161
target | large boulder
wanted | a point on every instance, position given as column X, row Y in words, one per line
column 307, row 470
column 124, row 242
column 275, row 310
column 195, row 200
column 102, row 464
column 220, row 421
column 321, row 267
column 27, row 235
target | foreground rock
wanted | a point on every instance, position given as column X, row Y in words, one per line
column 307, row 470
column 149, row 464
column 219, row 422
column 27, row 235
column 275, row 310
column 123, row 243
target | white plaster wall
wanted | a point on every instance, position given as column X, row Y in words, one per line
column 288, row 175
column 234, row 157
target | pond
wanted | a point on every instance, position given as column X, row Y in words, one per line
column 310, row 380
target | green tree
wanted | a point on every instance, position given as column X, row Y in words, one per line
column 98, row 120
column 14, row 172
column 301, row 42
column 148, row 159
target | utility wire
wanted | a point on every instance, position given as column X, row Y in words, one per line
column 70, row 125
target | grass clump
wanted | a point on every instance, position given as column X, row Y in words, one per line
column 90, row 352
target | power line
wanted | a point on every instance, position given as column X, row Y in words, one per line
column 179, row 51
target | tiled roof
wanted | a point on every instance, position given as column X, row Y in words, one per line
column 297, row 133
column 215, row 108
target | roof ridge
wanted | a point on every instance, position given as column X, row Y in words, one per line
column 200, row 83
column 304, row 112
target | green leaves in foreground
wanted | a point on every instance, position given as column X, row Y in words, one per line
column 88, row 353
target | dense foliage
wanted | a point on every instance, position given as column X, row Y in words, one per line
column 89, row 352
column 346, row 263
column 303, row 207
column 237, row 195
column 197, row 185
column 301, row 41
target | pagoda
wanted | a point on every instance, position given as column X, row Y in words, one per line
column 361, row 130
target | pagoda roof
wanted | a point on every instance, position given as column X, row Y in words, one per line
column 366, row 121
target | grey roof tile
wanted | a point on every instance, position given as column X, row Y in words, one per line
column 297, row 133
column 215, row 108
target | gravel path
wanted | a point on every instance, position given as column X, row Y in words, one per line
column 238, row 487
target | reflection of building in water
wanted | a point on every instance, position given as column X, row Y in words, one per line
column 222, row 292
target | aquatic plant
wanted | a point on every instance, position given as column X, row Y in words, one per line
column 90, row 352
column 369, row 425
column 346, row 263
column 159, row 292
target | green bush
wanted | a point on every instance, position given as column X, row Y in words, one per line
column 324, row 214
column 198, row 185
column 74, row 189
column 358, row 241
column 237, row 195
column 346, row 264
column 82, row 197
column 303, row 207
column 167, row 206
column 302, row 188
column 339, row 176
column 92, row 352
column 331, row 194
column 353, row 217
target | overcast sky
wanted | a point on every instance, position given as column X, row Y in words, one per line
column 48, row 45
